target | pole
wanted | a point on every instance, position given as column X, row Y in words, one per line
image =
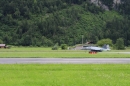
column 82, row 39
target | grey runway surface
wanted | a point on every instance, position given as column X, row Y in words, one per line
column 64, row 60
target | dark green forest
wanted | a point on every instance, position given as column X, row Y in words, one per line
column 47, row 22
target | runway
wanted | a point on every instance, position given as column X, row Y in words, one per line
column 64, row 60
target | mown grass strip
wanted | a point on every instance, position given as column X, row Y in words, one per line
column 48, row 53
column 61, row 55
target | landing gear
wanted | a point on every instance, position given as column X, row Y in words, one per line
column 92, row 52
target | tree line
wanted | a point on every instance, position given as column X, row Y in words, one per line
column 46, row 22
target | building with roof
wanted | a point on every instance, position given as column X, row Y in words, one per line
column 2, row 45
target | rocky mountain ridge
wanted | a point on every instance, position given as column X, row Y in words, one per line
column 100, row 3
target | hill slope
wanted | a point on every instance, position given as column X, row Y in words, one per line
column 46, row 22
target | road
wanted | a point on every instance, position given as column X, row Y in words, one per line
column 64, row 60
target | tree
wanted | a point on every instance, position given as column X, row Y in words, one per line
column 26, row 40
column 1, row 42
column 105, row 41
column 120, row 44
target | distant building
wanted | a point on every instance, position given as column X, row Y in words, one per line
column 90, row 43
column 3, row 46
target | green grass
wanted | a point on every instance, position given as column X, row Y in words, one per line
column 65, row 75
column 48, row 53
column 25, row 49
column 63, row 54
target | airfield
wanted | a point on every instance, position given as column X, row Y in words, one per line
column 48, row 56
column 45, row 67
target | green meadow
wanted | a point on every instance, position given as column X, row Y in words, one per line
column 40, row 52
column 65, row 75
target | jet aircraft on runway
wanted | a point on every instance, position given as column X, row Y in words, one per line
column 97, row 49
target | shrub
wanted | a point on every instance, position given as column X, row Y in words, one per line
column 104, row 41
column 55, row 47
column 120, row 44
column 64, row 46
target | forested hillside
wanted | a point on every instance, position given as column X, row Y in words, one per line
column 46, row 22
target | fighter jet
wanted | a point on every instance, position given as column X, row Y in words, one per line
column 97, row 49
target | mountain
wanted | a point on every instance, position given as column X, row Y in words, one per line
column 46, row 22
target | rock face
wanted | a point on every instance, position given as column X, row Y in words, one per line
column 99, row 3
column 117, row 1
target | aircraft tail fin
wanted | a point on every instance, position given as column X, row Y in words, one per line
column 106, row 46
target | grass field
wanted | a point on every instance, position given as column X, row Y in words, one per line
column 65, row 75
column 23, row 52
